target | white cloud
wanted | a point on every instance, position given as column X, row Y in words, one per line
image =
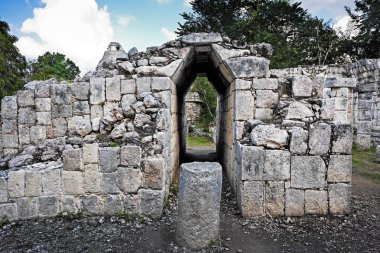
column 334, row 9
column 168, row 34
column 79, row 29
column 163, row 1
column 345, row 27
column 187, row 3
column 125, row 20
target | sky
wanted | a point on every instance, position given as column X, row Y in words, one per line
column 82, row 29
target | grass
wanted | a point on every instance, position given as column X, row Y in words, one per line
column 199, row 142
column 374, row 176
column 365, row 165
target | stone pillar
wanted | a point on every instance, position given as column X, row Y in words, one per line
column 200, row 186
column 378, row 153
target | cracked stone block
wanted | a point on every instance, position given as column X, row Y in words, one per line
column 9, row 126
column 320, row 139
column 266, row 99
column 109, row 159
column 339, row 169
column 73, row 160
column 152, row 203
column 48, row 206
column 130, row 156
column 61, row 111
column 24, row 134
column 16, row 184
column 265, row 84
column 33, row 184
column 342, row 138
column 316, row 202
column 161, row 83
column 92, row 178
column 27, row 207
column 277, row 165
column 294, row 202
column 128, row 86
column 27, row 116
column 269, row 136
column 130, row 180
column 143, row 84
column 275, row 198
column 61, row 94
column 97, row 90
column 298, row 141
column 113, row 205
column 80, row 125
column 251, row 198
column 249, row 66
column 80, row 90
column 3, row 190
column 339, row 198
column 113, row 88
column 43, row 118
column 308, row 172
column 302, row 86
column 25, row 98
column 8, row 211
column 51, row 182
column 153, row 173
column 69, row 203
column 42, row 90
column 92, row 205
column 10, row 141
column 37, row 134
column 81, row 108
column 91, row 153
column 72, row 182
column 9, row 107
column 298, row 111
column 243, row 111
column 59, row 127
column 110, row 183
column 264, row 114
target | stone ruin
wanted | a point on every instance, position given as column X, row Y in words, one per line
column 112, row 141
column 193, row 107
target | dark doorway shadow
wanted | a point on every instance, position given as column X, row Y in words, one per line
column 200, row 154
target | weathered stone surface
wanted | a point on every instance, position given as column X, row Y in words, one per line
column 72, row 182
column 81, row 108
column 302, row 86
column 72, row 160
column 3, row 190
column 92, row 178
column 294, row 202
column 274, row 198
column 130, row 156
column 128, row 86
column 113, row 89
column 16, row 184
column 118, row 131
column 227, row 53
column 130, row 180
column 9, row 126
column 243, row 111
column 10, row 141
column 265, row 84
column 27, row 116
column 141, row 119
column 252, row 163
column 153, row 173
column 59, row 127
column 201, row 38
column 298, row 111
column 48, row 206
column 266, row 99
column 9, row 107
column 27, row 208
column 241, row 84
column 33, row 184
column 8, row 211
column 132, row 203
column 20, row 160
column 90, row 153
column 37, row 134
column 339, row 198
column 43, row 118
column 25, row 98
column 152, row 202
column 92, row 205
column 316, row 202
column 319, row 139
column 363, row 141
column 161, row 83
column 157, row 60
column 80, row 125
column 340, row 169
column 342, row 138
column 249, row 66
column 43, row 104
column 269, row 136
column 113, row 204
column 308, row 172
column 378, row 153
column 200, row 188
column 298, row 141
column 61, row 111
column 277, row 165
column 97, row 90
column 42, row 90
column 251, row 198
column 143, row 84
column 110, row 183
column 61, row 94
column 264, row 114
column 109, row 159
column 51, row 182
column 24, row 134
column 80, row 90
column 340, row 82
column 69, row 204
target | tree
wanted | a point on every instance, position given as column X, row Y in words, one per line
column 12, row 63
column 53, row 65
column 366, row 17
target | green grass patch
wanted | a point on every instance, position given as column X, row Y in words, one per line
column 199, row 142
column 364, row 159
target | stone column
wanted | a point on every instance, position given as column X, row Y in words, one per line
column 200, row 186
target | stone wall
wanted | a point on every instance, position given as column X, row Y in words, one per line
column 193, row 107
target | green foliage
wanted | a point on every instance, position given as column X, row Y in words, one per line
column 12, row 63
column 53, row 65
column 207, row 93
column 70, row 215
column 114, row 144
column 199, row 141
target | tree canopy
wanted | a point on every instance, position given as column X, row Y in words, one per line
column 12, row 63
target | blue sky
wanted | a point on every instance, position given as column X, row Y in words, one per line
column 82, row 29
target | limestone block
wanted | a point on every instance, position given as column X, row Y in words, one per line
column 97, row 90
column 3, row 190
column 320, row 139
column 266, row 99
column 9, row 107
column 16, row 184
column 339, row 169
column 111, row 110
column 80, row 125
column 130, row 156
column 328, row 108
column 244, row 105
column 316, row 202
column 339, row 198
column 307, row 172
column 8, row 211
column 298, row 111
column 80, row 90
column 152, row 202
column 81, row 108
column 294, row 202
column 241, row 84
column 72, row 182
column 113, row 204
column 27, row 116
column 362, row 141
column 128, row 86
column 249, row 66
column 298, row 141
column 33, row 184
column 226, row 53
column 92, row 205
column 59, row 127
column 113, row 89
column 61, row 94
column 109, row 159
column 161, row 83
column 167, row 99
column 201, row 38
column 130, row 180
column 37, row 134
column 73, row 160
column 251, row 198
column 92, row 178
column 274, row 198
column 9, row 126
column 110, row 183
column 51, row 182
column 42, row 90
column 61, row 111
column 24, row 134
column 265, row 114
column 277, row 165
column 269, row 136
column 141, row 119
column 265, row 84
column 252, row 163
column 340, row 82
column 200, row 188
column 20, row 160
column 302, row 86
column 153, row 173
column 91, row 153
column 10, row 141
column 48, row 206
column 43, row 118
column 69, row 203
column 25, row 98
column 27, row 207
column 143, row 84
column 132, row 203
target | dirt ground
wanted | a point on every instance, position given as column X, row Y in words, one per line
column 357, row 232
